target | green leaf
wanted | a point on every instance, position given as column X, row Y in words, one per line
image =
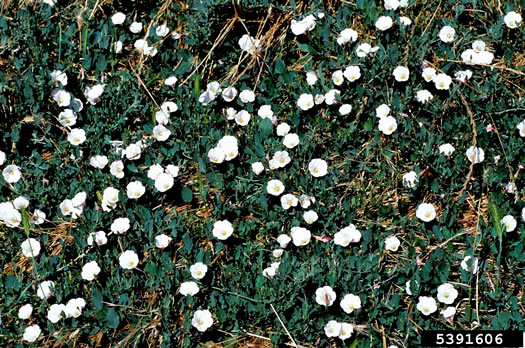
column 495, row 216
column 187, row 195
column 113, row 318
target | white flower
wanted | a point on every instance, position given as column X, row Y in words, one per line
column 303, row 26
column 38, row 217
column 20, row 202
column 446, row 149
column 475, row 154
column 365, row 49
column 523, row 214
column 249, row 44
column 284, row 128
column 401, row 73
column 468, row 56
column 405, row 21
column 135, row 27
column 162, row 241
column 382, row 111
column 332, row 329
column 77, row 136
column 325, row 296
column 222, row 229
column 120, row 225
column 407, row 287
column 442, row 81
column 346, row 331
column 387, row 125
column 117, row 46
column 392, row 243
column 161, row 133
column 306, row 200
column 311, row 78
column 347, row 235
column 216, row 155
column 446, row 34
column 90, row 270
column 2, row 157
column 300, row 236
column 283, row 240
column 247, row 96
column 305, row 101
column 463, row 75
column 30, row 247
column 31, row 333
column 172, row 170
column 330, row 97
column 94, row 93
column 171, row 81
column 118, row 18
column 25, row 311
column 189, row 288
column 277, row 252
column 426, row 212
column 428, row 74
column 164, row 182
column 337, row 77
column 403, row 3
column 198, row 270
column 521, row 128
column 350, row 302
column 291, row 140
column 117, row 169
column 58, row 76
column 512, row 20
column 154, row 171
column 162, row 30
column 446, row 293
column 175, row 36
column 242, row 118
column 229, row 93
column 265, row 111
column 275, row 187
column 318, row 167
column 98, row 161
column 410, row 179
column 62, row 97
column 74, row 307
column 128, row 259
column 352, row 73
column 478, row 46
column 288, row 201
column 449, row 312
column 484, row 57
column 202, row 320
column 473, row 264
column 346, row 36
column 391, row 4
column 319, row 99
column 45, row 289
column 383, row 23
column 56, row 312
column 509, row 222
column 426, row 305
column 9, row 215
column 269, row 272
column 423, row 96
column 257, row 168
column 135, row 189
column 310, row 216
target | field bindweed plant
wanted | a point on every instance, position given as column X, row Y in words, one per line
column 200, row 173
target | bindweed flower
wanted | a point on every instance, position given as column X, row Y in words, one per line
column 346, row 331
column 117, row 47
column 171, row 81
column 120, row 225
column 347, row 235
column 45, row 289
column 337, row 77
column 288, row 201
column 117, row 169
column 249, row 44
column 387, row 125
column 291, row 140
column 423, row 96
column 283, row 240
column 318, row 167
column 162, row 241
column 9, row 215
column 257, row 168
column 265, row 111
column 442, row 81
column 135, row 27
column 426, row 305
column 164, row 182
column 77, row 136
column 20, row 202
column 382, row 111
column 154, row 171
column 118, row 18
column 94, row 94
column 311, row 78
column 31, row 333
column 345, row 109
column 446, row 293
column 222, row 229
column 509, row 222
column 56, row 312
column 216, row 155
column 475, row 154
column 198, row 270
column 330, row 98
column 189, row 288
column 391, row 5
column 470, row 264
column 242, row 118
column 350, row 302
column 410, row 179
column 401, row 73
column 446, row 149
column 98, row 237
column 275, row 187
column 392, row 243
column 128, row 259
column 303, row 26
column 426, row 212
column 383, row 23
column 346, row 36
column 25, row 311
column 448, row 313
column 2, row 157
column 365, row 49
column 247, row 96
column 30, row 247
column 135, row 190
column 269, row 272
column 407, row 287
column 521, row 128
column 463, row 75
column 90, row 270
column 202, row 320
column 352, row 73
column 277, row 253
column 305, row 201
column 305, row 101
column 446, row 34
column 428, row 74
column 310, row 217
column 62, row 98
column 229, row 93
column 325, row 296
column 300, row 236
column 162, row 30
column 405, row 21
column 332, row 329
column 161, row 133
column 98, row 161
column 74, row 307
column 512, row 20
column 59, row 77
